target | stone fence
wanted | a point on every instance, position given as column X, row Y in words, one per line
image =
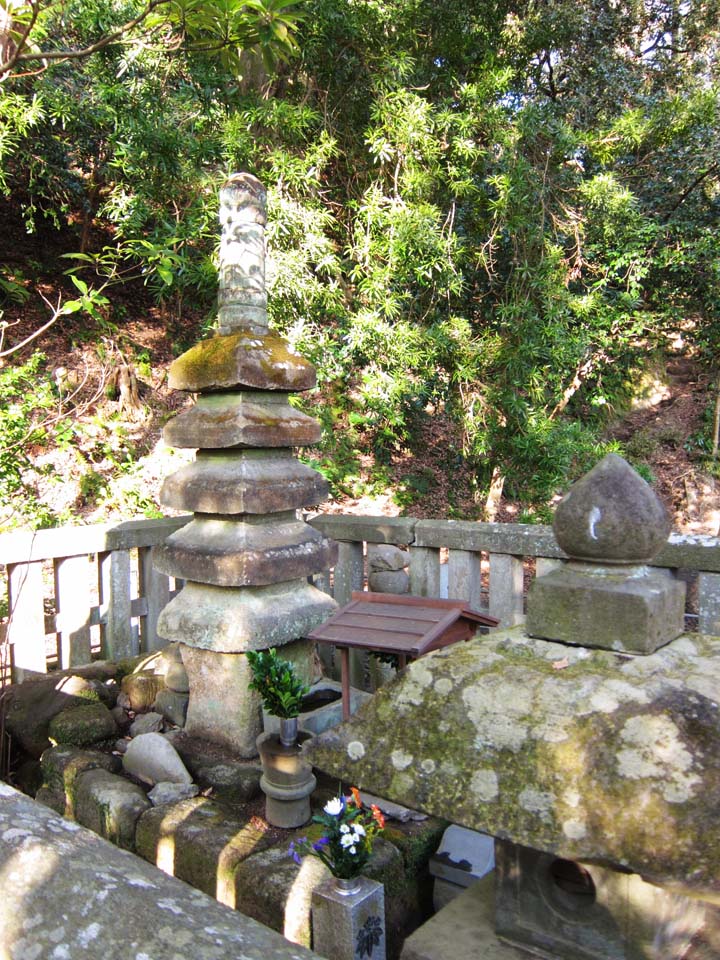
column 79, row 591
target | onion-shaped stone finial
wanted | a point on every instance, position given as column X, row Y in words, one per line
column 611, row 515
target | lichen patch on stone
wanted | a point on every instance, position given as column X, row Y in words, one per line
column 484, row 785
column 400, row 759
column 355, row 750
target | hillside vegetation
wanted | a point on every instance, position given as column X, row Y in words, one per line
column 492, row 227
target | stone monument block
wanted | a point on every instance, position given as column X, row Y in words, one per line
column 247, row 618
column 611, row 524
column 636, row 609
column 245, row 553
column 242, row 359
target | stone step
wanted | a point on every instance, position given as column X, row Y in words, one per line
column 464, row 929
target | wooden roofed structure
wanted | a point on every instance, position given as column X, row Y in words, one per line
column 397, row 624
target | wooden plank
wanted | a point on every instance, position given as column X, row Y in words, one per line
column 374, row 640
column 406, row 600
column 424, row 571
column 118, row 638
column 72, row 593
column 155, row 587
column 400, row 624
column 26, row 626
column 358, row 608
column 506, row 589
column 464, row 576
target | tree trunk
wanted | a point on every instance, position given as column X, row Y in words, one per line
column 492, row 504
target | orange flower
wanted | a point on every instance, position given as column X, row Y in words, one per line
column 377, row 816
column 356, row 796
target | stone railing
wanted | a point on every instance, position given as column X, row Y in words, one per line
column 77, row 591
column 486, row 563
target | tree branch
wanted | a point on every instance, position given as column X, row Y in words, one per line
column 116, row 35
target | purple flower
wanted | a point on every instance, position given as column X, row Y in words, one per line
column 292, row 849
column 322, row 842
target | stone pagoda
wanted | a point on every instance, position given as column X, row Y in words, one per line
column 246, row 556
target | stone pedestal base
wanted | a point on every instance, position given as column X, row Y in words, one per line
column 221, row 707
column 633, row 608
column 287, row 782
column 349, row 925
column 572, row 911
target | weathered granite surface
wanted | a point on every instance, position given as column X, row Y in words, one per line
column 30, row 706
column 242, row 419
column 68, row 893
column 634, row 609
column 222, row 708
column 587, row 754
column 244, row 481
column 610, row 523
column 612, row 515
column 250, row 618
column 229, row 552
column 82, row 725
column 110, row 806
column 242, row 359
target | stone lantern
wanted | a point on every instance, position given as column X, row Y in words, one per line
column 246, row 556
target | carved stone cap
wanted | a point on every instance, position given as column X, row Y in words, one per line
column 611, row 516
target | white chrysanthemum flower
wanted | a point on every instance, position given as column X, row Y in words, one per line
column 334, row 807
column 344, row 828
column 353, row 850
column 359, row 829
column 347, row 840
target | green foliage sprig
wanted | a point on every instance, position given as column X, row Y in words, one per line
column 282, row 691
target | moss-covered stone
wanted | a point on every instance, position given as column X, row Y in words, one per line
column 242, row 359
column 586, row 755
column 109, row 805
column 61, row 766
column 82, row 725
column 142, row 688
column 199, row 841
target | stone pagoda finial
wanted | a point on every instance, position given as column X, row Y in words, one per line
column 242, row 300
column 611, row 524
column 611, row 516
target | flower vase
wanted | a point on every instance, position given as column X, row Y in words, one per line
column 288, row 731
column 348, row 919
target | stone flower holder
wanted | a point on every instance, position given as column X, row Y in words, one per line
column 348, row 919
column 287, row 781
